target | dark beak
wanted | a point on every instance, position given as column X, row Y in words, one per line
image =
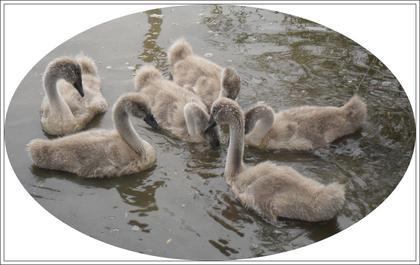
column 79, row 87
column 149, row 119
column 211, row 123
column 215, row 143
column 247, row 128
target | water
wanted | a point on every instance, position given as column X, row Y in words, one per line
column 182, row 208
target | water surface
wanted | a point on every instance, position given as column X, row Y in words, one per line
column 182, row 208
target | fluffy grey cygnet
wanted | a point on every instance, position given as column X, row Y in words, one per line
column 205, row 78
column 176, row 109
column 302, row 128
column 100, row 153
column 272, row 191
column 72, row 95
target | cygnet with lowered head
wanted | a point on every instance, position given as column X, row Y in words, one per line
column 302, row 128
column 207, row 79
column 272, row 191
column 101, row 153
column 176, row 109
column 72, row 95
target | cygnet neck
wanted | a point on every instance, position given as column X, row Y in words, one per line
column 234, row 160
column 56, row 101
column 125, row 128
column 264, row 116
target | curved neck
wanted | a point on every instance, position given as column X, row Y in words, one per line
column 234, row 163
column 125, row 129
column 264, row 115
column 54, row 97
column 194, row 119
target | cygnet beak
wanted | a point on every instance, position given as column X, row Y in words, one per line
column 79, row 87
column 211, row 123
column 150, row 119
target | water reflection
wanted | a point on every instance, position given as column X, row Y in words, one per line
column 140, row 193
column 152, row 52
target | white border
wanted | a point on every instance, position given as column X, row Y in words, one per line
column 385, row 234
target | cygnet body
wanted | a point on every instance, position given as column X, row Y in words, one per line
column 100, row 153
column 72, row 95
column 176, row 109
column 302, row 128
column 272, row 191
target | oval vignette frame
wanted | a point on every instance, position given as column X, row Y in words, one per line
column 41, row 62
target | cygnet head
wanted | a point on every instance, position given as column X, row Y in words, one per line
column 255, row 113
column 356, row 110
column 136, row 105
column 196, row 119
column 226, row 111
column 231, row 83
column 65, row 68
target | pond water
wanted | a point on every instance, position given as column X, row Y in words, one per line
column 182, row 208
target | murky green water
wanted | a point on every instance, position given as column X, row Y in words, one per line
column 183, row 208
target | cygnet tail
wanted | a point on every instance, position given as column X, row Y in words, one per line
column 145, row 75
column 87, row 65
column 38, row 152
column 180, row 50
column 329, row 201
column 356, row 109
